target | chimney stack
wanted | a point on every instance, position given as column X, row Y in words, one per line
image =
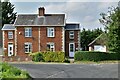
column 41, row 11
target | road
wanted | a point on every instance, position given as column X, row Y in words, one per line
column 70, row 70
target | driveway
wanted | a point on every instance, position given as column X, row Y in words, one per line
column 70, row 70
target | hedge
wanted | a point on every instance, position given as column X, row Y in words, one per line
column 96, row 56
column 48, row 56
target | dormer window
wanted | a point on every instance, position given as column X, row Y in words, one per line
column 71, row 34
column 28, row 32
column 10, row 35
column 50, row 32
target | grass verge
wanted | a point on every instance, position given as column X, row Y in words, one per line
column 8, row 72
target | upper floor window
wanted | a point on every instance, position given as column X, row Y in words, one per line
column 10, row 35
column 28, row 47
column 50, row 32
column 28, row 32
column 50, row 47
column 71, row 34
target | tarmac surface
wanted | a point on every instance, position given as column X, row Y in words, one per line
column 70, row 70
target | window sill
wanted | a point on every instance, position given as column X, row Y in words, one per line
column 10, row 38
column 71, row 38
column 50, row 36
column 27, row 52
column 28, row 36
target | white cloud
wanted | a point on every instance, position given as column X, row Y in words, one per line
column 92, row 25
column 62, row 0
column 107, row 4
column 88, row 18
column 75, row 6
column 55, row 8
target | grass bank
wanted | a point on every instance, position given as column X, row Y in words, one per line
column 8, row 72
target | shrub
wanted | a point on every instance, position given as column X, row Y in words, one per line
column 37, row 57
column 48, row 56
column 96, row 56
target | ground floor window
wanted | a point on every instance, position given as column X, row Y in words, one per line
column 28, row 47
column 50, row 47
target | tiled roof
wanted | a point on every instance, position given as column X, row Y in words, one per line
column 8, row 27
column 35, row 20
column 72, row 26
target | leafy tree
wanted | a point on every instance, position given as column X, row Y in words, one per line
column 8, row 16
column 111, row 22
column 0, row 24
column 88, row 36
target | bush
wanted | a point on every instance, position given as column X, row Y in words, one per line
column 48, row 56
column 37, row 57
column 96, row 56
column 8, row 71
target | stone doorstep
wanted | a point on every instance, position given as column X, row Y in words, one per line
column 71, row 60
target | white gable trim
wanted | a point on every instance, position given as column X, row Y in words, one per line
column 15, row 42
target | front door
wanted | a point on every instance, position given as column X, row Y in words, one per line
column 71, row 49
column 10, row 49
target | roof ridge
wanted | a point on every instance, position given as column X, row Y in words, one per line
column 8, row 24
column 27, row 14
column 45, row 14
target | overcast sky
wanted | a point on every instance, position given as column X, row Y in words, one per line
column 86, row 13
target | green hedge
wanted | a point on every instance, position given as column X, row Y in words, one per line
column 96, row 56
column 8, row 71
column 48, row 56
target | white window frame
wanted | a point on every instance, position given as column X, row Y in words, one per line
column 71, row 33
column 50, row 32
column 27, row 32
column 52, row 45
column 10, row 34
column 28, row 45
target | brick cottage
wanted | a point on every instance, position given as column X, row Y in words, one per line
column 40, row 32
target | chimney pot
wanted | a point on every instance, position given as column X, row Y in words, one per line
column 41, row 11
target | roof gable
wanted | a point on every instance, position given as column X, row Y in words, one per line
column 101, row 39
column 8, row 27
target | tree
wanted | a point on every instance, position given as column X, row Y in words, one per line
column 88, row 36
column 111, row 22
column 8, row 16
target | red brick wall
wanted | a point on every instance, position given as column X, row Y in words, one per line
column 21, row 39
column 57, row 39
column 6, row 41
column 68, row 40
